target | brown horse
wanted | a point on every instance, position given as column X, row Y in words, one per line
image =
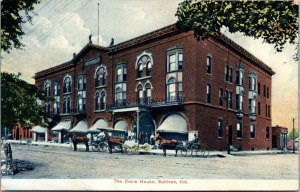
column 166, row 142
column 114, row 141
column 80, row 139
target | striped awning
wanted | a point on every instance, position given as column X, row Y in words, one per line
column 81, row 127
column 174, row 124
column 39, row 129
column 100, row 124
column 63, row 125
column 121, row 126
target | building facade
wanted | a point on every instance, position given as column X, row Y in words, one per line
column 165, row 82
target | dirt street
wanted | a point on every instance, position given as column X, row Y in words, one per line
column 62, row 163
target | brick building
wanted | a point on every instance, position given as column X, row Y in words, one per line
column 168, row 82
column 279, row 137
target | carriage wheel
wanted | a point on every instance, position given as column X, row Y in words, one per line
column 103, row 146
column 95, row 147
column 184, row 151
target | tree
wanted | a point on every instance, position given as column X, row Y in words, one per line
column 13, row 14
column 274, row 21
column 19, row 102
column 290, row 134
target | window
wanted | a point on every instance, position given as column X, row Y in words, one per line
column 229, row 98
column 267, row 132
column 239, row 130
column 226, row 73
column 267, row 92
column 103, row 101
column 220, row 127
column 121, row 75
column 140, row 70
column 258, row 110
column 258, row 87
column 252, row 106
column 81, row 103
column 67, row 105
column 266, row 110
column 100, row 77
column 67, row 84
column 174, row 60
column 269, row 111
column 208, row 64
column 144, row 61
column 120, row 92
column 47, row 107
column 47, row 88
column 140, row 93
column 148, row 92
column 56, row 104
column 81, row 82
column 208, row 93
column 264, row 91
column 171, row 89
column 239, row 102
column 97, row 101
column 240, row 75
column 230, row 74
column 252, row 82
column 221, row 97
column 252, row 131
column 149, row 69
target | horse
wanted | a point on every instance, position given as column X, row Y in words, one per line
column 114, row 141
column 80, row 139
column 166, row 142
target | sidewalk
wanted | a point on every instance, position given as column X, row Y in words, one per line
column 169, row 152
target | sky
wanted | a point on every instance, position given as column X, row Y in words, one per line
column 62, row 27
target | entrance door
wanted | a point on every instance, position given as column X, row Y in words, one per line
column 274, row 141
column 230, row 135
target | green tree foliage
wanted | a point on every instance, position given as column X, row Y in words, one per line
column 13, row 14
column 290, row 134
column 274, row 21
column 19, row 102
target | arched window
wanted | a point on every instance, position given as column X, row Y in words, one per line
column 67, row 84
column 100, row 77
column 103, row 101
column 140, row 70
column 144, row 61
column 149, row 69
column 47, row 88
column 171, row 89
column 140, row 93
column 97, row 101
column 81, row 82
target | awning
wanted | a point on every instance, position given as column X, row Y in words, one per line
column 63, row 125
column 81, row 127
column 100, row 124
column 173, row 123
column 121, row 126
column 39, row 129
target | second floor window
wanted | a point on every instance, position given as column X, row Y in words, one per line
column 171, row 89
column 140, row 93
column 148, row 92
column 67, row 84
column 56, row 89
column 228, row 74
column 144, row 65
column 239, row 102
column 100, row 78
column 47, row 88
column 67, row 105
column 120, row 92
column 174, row 60
column 208, row 93
column 56, row 105
column 81, row 102
column 229, row 98
column 252, row 106
column 121, row 73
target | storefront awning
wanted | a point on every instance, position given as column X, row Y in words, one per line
column 100, row 124
column 63, row 125
column 39, row 129
column 121, row 126
column 81, row 127
column 174, row 124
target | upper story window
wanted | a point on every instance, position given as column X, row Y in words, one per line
column 252, row 82
column 171, row 89
column 140, row 92
column 67, row 84
column 221, row 97
column 239, row 102
column 228, row 74
column 208, row 64
column 121, row 73
column 144, row 65
column 258, row 88
column 240, row 75
column 56, row 89
column 81, row 102
column 100, row 101
column 100, row 76
column 148, row 92
column 208, row 93
column 265, row 91
column 67, row 104
column 56, row 104
column 47, row 88
column 174, row 59
column 252, row 131
column 81, row 82
column 229, row 98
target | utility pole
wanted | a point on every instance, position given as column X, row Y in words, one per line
column 293, row 136
column 98, row 23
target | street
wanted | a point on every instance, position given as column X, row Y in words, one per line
column 62, row 163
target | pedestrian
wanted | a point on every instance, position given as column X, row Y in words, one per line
column 152, row 139
column 108, row 139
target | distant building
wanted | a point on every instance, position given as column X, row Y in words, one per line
column 165, row 82
column 279, row 137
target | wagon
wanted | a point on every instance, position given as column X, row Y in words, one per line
column 192, row 149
